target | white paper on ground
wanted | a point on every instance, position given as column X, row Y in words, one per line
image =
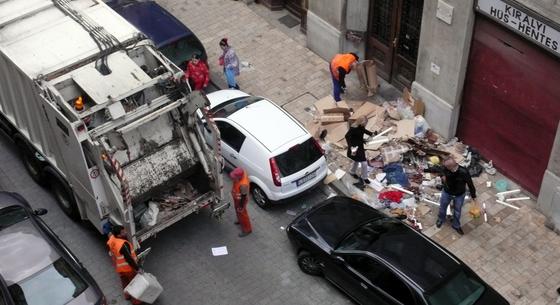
column 219, row 251
column 339, row 173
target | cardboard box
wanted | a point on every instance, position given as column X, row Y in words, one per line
column 144, row 287
column 333, row 118
column 417, row 105
column 367, row 74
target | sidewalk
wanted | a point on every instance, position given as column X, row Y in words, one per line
column 514, row 252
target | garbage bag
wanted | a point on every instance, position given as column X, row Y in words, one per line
column 149, row 218
column 396, row 175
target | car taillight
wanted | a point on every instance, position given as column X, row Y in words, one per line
column 275, row 172
column 318, row 146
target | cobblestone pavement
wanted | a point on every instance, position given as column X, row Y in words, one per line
column 514, row 251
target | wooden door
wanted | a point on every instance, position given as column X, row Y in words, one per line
column 406, row 43
column 382, row 29
column 299, row 9
column 394, row 34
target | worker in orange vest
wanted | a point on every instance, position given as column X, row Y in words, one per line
column 240, row 194
column 124, row 258
column 341, row 65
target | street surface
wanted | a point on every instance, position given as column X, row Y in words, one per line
column 514, row 252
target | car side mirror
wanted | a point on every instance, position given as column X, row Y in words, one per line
column 40, row 212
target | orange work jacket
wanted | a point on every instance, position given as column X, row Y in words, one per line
column 342, row 60
column 115, row 244
column 236, row 189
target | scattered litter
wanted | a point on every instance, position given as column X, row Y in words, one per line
column 291, row 213
column 339, row 173
column 488, row 183
column 219, row 251
column 484, row 211
column 282, row 228
column 507, row 204
column 397, row 187
column 501, row 186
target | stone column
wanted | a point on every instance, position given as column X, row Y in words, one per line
column 324, row 27
column 443, row 55
column 549, row 196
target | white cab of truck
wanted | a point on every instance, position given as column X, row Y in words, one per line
column 103, row 118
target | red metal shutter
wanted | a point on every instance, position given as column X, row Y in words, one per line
column 511, row 103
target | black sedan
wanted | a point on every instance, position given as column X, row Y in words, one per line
column 35, row 266
column 378, row 260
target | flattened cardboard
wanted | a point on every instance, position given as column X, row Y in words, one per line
column 368, row 109
column 405, row 129
column 314, row 128
column 328, row 102
column 336, row 132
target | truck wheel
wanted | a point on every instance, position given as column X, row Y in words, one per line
column 65, row 199
column 32, row 165
column 260, row 196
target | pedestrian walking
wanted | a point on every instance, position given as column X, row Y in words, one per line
column 197, row 73
column 124, row 258
column 356, row 151
column 240, row 194
column 230, row 62
column 455, row 179
column 341, row 65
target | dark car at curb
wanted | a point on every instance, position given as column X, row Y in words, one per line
column 170, row 36
column 36, row 268
column 377, row 259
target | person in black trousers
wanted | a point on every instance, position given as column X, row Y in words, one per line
column 355, row 140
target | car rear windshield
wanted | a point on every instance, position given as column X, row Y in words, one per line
column 230, row 107
column 298, row 157
column 182, row 50
column 57, row 284
column 461, row 289
column 12, row 215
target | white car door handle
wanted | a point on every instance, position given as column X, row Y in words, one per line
column 364, row 285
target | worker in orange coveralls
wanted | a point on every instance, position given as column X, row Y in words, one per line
column 240, row 194
column 124, row 258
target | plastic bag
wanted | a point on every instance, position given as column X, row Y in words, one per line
column 149, row 218
column 421, row 126
column 474, row 210
column 404, row 109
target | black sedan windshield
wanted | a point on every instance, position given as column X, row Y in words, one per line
column 12, row 215
column 461, row 289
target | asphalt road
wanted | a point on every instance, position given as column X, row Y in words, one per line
column 259, row 269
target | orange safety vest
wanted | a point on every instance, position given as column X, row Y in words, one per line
column 115, row 244
column 342, row 60
column 236, row 189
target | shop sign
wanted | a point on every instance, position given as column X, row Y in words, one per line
column 519, row 21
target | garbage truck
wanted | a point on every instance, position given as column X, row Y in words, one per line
column 104, row 119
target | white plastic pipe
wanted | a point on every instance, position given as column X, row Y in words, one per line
column 484, row 209
column 517, row 199
column 429, row 201
column 381, row 133
column 508, row 192
column 401, row 189
column 507, row 204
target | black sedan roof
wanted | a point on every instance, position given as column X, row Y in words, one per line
column 363, row 228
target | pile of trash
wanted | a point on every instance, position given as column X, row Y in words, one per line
column 402, row 148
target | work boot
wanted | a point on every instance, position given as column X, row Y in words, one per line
column 366, row 181
column 243, row 234
column 439, row 223
column 355, row 176
column 460, row 231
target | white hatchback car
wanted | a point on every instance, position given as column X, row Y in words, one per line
column 281, row 158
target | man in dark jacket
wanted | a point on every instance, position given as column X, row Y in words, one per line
column 455, row 178
column 355, row 140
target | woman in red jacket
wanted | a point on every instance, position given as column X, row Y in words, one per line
column 197, row 73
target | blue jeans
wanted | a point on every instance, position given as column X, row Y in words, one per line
column 336, row 87
column 230, row 78
column 457, row 206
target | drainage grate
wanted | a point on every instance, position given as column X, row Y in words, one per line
column 289, row 21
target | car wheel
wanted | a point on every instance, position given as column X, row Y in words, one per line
column 309, row 264
column 32, row 165
column 260, row 196
column 65, row 199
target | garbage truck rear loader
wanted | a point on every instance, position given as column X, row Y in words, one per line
column 103, row 118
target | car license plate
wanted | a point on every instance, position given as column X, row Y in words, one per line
column 306, row 178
